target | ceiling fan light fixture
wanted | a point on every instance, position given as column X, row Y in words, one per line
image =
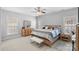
column 39, row 13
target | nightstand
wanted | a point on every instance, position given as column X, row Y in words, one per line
column 65, row 37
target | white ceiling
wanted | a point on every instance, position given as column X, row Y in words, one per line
column 30, row 10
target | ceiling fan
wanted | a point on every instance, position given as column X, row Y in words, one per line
column 39, row 11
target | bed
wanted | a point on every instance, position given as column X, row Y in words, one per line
column 49, row 36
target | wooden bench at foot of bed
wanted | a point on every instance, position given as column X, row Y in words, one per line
column 45, row 40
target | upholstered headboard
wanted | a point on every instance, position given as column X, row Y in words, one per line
column 50, row 27
column 53, row 26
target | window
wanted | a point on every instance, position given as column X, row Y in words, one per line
column 12, row 25
column 70, row 24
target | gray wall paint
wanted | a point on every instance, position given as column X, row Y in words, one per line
column 0, row 25
column 57, row 17
column 20, row 17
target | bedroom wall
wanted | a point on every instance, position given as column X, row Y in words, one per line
column 0, row 25
column 20, row 17
column 56, row 17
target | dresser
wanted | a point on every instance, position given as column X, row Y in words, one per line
column 26, row 31
column 77, row 37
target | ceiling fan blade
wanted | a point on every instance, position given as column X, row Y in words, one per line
column 44, row 9
column 35, row 8
column 43, row 12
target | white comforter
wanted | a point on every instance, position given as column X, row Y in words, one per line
column 43, row 33
column 43, row 30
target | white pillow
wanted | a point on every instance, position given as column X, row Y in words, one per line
column 54, row 33
column 46, row 27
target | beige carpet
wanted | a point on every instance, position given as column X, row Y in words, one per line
column 24, row 44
